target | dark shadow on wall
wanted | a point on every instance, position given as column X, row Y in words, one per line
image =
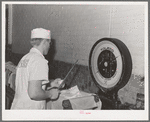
column 50, row 57
column 52, row 51
column 73, row 78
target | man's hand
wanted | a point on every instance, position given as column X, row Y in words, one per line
column 54, row 93
column 56, row 82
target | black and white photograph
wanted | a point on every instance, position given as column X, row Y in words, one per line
column 75, row 60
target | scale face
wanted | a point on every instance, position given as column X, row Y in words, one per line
column 107, row 64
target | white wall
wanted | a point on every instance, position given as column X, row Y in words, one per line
column 128, row 25
column 77, row 27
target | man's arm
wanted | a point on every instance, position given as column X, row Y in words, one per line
column 36, row 92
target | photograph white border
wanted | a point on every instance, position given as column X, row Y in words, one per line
column 75, row 114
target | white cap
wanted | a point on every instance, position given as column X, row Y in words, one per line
column 40, row 33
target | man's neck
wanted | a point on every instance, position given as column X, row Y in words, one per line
column 39, row 48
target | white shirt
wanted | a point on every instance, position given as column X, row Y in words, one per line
column 33, row 66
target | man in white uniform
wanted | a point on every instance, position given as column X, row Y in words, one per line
column 32, row 74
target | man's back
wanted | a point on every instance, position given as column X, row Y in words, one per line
column 27, row 70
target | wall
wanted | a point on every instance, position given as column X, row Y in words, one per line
column 74, row 28
column 128, row 26
column 77, row 27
